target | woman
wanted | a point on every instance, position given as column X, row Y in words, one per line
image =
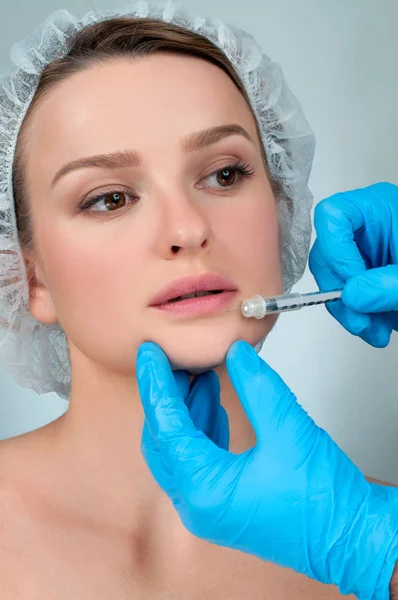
column 188, row 135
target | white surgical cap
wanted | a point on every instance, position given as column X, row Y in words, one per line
column 36, row 354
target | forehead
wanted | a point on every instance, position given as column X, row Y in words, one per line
column 147, row 104
column 160, row 95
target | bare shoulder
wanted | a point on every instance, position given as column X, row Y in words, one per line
column 19, row 458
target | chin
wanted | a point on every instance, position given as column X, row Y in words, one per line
column 197, row 360
column 205, row 349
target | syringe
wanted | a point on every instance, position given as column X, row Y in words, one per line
column 260, row 306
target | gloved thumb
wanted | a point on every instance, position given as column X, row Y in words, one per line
column 268, row 402
column 373, row 291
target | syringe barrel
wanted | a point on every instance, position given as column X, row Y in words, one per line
column 259, row 306
column 284, row 303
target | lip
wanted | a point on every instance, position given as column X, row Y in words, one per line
column 189, row 285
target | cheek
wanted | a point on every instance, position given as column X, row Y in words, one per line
column 253, row 235
column 93, row 279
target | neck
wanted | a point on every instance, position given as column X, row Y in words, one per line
column 97, row 445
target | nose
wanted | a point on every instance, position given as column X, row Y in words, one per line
column 184, row 228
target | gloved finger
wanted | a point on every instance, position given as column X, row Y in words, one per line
column 149, row 446
column 379, row 333
column 336, row 220
column 205, row 408
column 220, row 431
column 325, row 277
column 393, row 319
column 182, row 445
column 327, row 280
column 354, row 323
column 147, row 440
column 372, row 329
column 203, row 399
column 153, row 458
column 276, row 417
column 373, row 291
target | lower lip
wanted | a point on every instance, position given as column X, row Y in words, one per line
column 200, row 305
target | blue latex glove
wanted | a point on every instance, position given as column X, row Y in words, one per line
column 357, row 248
column 294, row 499
column 202, row 399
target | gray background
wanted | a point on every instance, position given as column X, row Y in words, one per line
column 340, row 58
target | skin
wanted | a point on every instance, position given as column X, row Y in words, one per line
column 95, row 516
column 180, row 203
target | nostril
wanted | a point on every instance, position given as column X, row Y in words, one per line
column 175, row 249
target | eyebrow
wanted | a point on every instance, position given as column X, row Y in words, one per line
column 131, row 158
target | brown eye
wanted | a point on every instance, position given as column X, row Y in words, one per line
column 229, row 176
column 226, row 177
column 109, row 201
column 115, row 200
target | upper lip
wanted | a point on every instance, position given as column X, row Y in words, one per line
column 189, row 285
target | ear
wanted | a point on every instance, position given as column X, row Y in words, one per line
column 40, row 300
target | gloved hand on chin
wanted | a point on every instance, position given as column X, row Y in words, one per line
column 294, row 499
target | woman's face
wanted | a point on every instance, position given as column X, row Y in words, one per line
column 176, row 214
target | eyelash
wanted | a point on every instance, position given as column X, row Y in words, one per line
column 243, row 169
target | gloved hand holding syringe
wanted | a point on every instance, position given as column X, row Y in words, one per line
column 259, row 306
column 295, row 498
